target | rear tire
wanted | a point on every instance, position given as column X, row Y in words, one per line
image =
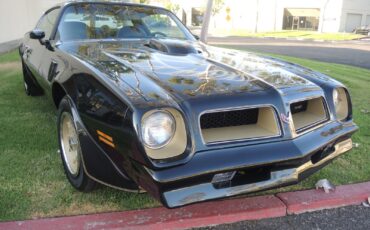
column 31, row 88
column 70, row 149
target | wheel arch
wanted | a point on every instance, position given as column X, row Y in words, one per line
column 58, row 92
column 97, row 162
column 59, row 89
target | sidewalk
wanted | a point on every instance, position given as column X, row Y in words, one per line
column 363, row 44
column 208, row 213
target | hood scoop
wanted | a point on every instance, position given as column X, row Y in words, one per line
column 171, row 47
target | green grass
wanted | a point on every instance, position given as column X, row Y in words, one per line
column 9, row 57
column 32, row 182
column 291, row 34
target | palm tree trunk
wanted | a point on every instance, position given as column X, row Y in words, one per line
column 206, row 19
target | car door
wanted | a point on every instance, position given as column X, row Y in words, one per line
column 37, row 50
column 49, row 67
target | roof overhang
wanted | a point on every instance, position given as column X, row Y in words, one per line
column 308, row 12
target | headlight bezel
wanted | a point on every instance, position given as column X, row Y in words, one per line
column 176, row 146
column 154, row 113
column 342, row 104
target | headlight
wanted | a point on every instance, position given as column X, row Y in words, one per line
column 163, row 134
column 341, row 103
column 158, row 129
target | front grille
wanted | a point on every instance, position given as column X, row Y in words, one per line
column 308, row 113
column 229, row 118
column 239, row 124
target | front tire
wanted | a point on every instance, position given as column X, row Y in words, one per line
column 70, row 149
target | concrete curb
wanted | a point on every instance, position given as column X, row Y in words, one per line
column 198, row 215
column 312, row 200
column 210, row 38
column 208, row 213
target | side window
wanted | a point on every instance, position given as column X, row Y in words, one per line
column 48, row 21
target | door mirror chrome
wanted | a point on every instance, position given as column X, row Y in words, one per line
column 37, row 34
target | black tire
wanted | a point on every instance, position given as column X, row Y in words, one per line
column 81, row 181
column 31, row 88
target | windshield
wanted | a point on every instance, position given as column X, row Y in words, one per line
column 109, row 21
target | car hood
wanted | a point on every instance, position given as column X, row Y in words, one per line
column 186, row 70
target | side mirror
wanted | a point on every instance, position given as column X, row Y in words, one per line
column 37, row 34
column 196, row 37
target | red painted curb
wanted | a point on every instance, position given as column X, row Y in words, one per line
column 312, row 200
column 206, row 214
column 198, row 215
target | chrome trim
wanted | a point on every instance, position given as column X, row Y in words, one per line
column 320, row 125
column 312, row 125
column 277, row 178
column 70, row 144
column 140, row 190
column 277, row 120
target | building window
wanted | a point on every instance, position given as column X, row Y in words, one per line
column 301, row 19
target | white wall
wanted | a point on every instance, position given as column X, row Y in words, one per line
column 19, row 16
column 242, row 13
column 330, row 17
column 271, row 14
column 354, row 7
column 330, row 12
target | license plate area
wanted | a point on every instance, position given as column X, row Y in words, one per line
column 241, row 177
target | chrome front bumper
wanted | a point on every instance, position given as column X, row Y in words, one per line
column 207, row 191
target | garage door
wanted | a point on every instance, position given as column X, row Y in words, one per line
column 353, row 21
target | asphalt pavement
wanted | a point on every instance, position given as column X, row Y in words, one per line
column 355, row 53
column 346, row 218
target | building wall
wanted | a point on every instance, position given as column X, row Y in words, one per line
column 19, row 16
column 268, row 15
column 331, row 16
column 330, row 11
column 361, row 7
column 242, row 16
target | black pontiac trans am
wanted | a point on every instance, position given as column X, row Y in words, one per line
column 144, row 106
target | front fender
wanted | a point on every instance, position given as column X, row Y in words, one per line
column 97, row 163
